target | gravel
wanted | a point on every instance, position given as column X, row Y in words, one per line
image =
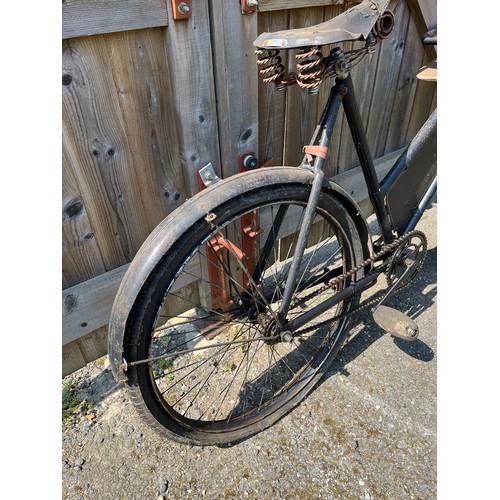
column 367, row 431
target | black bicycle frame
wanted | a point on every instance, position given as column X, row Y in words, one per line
column 381, row 194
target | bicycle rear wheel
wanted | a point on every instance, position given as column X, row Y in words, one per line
column 212, row 365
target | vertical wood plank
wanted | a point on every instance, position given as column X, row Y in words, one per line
column 271, row 101
column 429, row 13
column 72, row 358
column 236, row 82
column 426, row 93
column 424, row 13
column 188, row 50
column 408, row 103
column 78, row 353
column 386, row 79
column 434, row 100
column 81, row 259
column 119, row 138
column 95, row 345
column 141, row 75
column 100, row 155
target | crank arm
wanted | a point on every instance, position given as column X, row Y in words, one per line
column 393, row 321
column 391, row 290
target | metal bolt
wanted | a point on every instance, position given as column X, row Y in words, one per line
column 286, row 336
column 183, row 8
column 252, row 3
column 250, row 162
column 411, row 331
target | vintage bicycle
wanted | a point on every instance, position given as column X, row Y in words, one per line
column 237, row 303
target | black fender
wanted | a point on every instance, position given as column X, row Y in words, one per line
column 173, row 226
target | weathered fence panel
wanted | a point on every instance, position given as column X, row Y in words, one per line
column 148, row 101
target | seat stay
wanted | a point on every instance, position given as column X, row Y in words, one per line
column 354, row 24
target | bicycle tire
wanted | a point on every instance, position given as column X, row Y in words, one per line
column 235, row 386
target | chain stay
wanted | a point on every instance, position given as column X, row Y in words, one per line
column 383, row 251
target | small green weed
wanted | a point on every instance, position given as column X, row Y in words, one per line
column 71, row 406
column 228, row 366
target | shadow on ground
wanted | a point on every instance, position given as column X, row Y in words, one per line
column 413, row 300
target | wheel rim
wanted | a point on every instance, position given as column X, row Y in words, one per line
column 217, row 376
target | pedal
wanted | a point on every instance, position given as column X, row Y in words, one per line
column 409, row 257
column 395, row 323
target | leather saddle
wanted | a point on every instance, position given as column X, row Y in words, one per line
column 354, row 24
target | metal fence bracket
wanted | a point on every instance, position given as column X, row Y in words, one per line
column 181, row 9
column 249, row 6
column 207, row 175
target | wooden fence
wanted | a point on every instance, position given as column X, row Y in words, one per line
column 148, row 100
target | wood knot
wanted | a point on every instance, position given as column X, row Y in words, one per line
column 73, row 209
column 67, row 79
column 70, row 302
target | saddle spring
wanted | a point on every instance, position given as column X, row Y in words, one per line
column 271, row 67
column 310, row 68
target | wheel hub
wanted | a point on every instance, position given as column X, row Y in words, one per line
column 270, row 326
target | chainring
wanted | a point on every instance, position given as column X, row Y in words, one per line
column 410, row 253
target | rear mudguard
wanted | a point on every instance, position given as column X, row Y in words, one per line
column 179, row 221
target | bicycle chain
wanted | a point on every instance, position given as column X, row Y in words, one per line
column 383, row 251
